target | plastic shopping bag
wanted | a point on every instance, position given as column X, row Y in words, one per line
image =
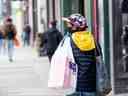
column 102, row 78
column 103, row 81
column 60, row 75
column 16, row 42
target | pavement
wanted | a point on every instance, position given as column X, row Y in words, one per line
column 26, row 76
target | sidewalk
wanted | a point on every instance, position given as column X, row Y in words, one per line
column 26, row 76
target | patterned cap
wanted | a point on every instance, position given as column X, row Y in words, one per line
column 78, row 21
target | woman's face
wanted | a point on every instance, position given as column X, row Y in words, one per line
column 69, row 25
column 8, row 23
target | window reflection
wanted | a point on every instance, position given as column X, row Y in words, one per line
column 124, row 35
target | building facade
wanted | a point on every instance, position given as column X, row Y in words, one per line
column 119, row 19
column 1, row 11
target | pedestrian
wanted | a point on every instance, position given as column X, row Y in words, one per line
column 1, row 39
column 84, row 52
column 26, row 35
column 51, row 39
column 10, row 34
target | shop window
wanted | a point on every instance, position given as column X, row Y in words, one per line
column 120, row 45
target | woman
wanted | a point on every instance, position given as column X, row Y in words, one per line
column 84, row 51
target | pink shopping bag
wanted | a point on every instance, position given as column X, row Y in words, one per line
column 60, row 75
column 67, row 75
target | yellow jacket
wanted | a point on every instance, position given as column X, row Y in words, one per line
column 84, row 40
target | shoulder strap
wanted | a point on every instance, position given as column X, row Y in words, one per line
column 98, row 50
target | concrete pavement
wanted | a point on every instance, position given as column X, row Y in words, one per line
column 26, row 76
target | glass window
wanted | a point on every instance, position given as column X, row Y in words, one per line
column 120, row 42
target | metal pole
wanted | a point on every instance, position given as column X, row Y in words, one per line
column 111, row 45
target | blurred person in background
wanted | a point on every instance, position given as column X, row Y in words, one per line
column 1, row 39
column 51, row 39
column 26, row 35
column 10, row 34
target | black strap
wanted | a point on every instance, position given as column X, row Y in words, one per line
column 98, row 49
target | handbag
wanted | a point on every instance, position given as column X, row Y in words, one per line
column 103, row 84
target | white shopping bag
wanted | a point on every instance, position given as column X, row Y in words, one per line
column 60, row 74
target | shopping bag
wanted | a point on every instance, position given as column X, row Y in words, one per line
column 103, row 83
column 16, row 42
column 67, row 75
column 60, row 75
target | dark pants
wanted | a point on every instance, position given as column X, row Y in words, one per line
column 83, row 94
column 50, row 54
column 50, row 57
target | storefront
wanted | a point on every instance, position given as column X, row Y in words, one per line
column 41, row 16
column 119, row 47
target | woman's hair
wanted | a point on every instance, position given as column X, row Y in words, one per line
column 8, row 19
column 54, row 23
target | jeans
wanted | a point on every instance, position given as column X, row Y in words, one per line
column 1, row 45
column 26, row 42
column 49, row 57
column 10, row 47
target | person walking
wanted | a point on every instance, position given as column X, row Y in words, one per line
column 26, row 35
column 51, row 39
column 84, row 52
column 10, row 34
column 1, row 39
